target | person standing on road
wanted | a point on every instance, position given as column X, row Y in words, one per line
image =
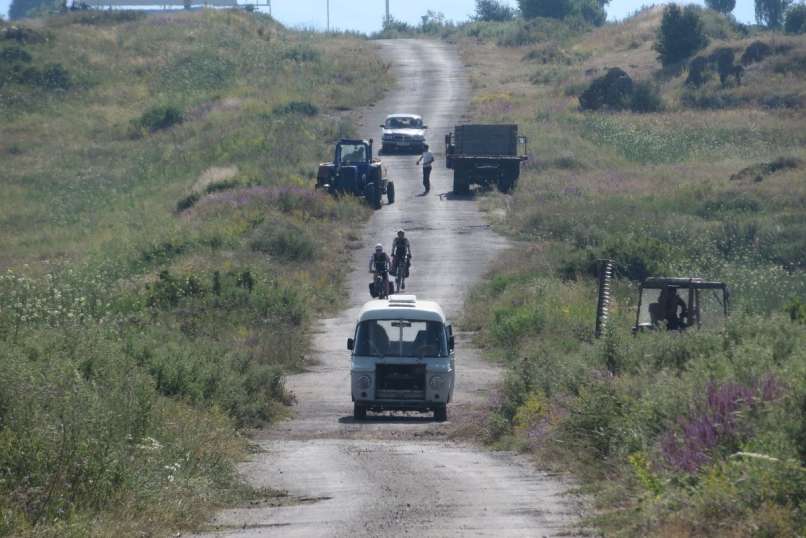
column 427, row 158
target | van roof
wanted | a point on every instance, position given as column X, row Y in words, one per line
column 402, row 307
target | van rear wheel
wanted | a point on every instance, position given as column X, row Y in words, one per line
column 359, row 411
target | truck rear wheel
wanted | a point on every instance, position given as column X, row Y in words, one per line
column 441, row 413
column 359, row 411
column 459, row 182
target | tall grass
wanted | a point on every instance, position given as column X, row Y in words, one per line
column 693, row 434
column 140, row 328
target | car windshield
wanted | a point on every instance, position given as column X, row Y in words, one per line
column 401, row 338
column 404, row 123
column 353, row 153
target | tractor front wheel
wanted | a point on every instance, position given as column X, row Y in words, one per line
column 390, row 192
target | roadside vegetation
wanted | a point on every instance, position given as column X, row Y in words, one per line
column 162, row 252
column 697, row 173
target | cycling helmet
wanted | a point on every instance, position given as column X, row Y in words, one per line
column 378, row 247
column 401, row 232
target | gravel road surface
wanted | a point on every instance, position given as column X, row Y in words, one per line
column 401, row 475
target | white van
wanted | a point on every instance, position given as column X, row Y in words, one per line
column 402, row 357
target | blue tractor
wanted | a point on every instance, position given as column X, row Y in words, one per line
column 354, row 171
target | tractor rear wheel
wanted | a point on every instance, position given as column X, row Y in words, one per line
column 359, row 411
column 373, row 196
column 441, row 413
column 390, row 192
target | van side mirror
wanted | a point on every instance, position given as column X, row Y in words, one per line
column 451, row 343
column 383, row 126
column 425, row 126
column 350, row 344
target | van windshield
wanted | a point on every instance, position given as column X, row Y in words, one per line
column 401, row 338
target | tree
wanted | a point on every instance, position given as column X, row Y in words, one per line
column 493, row 10
column 770, row 13
column 796, row 20
column 553, row 9
column 28, row 8
column 680, row 34
column 722, row 6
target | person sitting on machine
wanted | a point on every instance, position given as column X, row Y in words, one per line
column 670, row 303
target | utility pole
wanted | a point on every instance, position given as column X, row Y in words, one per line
column 387, row 12
column 328, row 15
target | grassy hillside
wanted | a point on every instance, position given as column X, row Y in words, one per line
column 162, row 252
column 695, row 434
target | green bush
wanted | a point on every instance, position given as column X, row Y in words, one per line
column 14, row 54
column 159, row 117
column 493, row 10
column 645, row 98
column 755, row 52
column 553, row 9
column 770, row 13
column 297, row 107
column 722, row 6
column 187, row 202
column 796, row 20
column 680, row 34
column 284, row 241
column 613, row 90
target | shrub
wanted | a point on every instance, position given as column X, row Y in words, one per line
column 51, row 77
column 287, row 242
column 680, row 34
column 770, row 13
column 302, row 53
column 796, row 20
column 14, row 54
column 645, row 98
column 614, row 90
column 723, row 58
column 755, row 52
column 552, row 9
column 159, row 117
column 697, row 72
column 722, row 6
column 493, row 10
column 187, row 202
column 303, row 108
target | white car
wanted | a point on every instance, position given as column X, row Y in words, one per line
column 403, row 132
column 402, row 358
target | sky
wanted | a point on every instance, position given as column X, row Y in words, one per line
column 366, row 15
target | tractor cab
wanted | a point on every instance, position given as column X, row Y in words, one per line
column 356, row 153
column 679, row 303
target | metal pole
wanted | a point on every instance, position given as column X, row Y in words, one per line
column 328, row 15
column 387, row 12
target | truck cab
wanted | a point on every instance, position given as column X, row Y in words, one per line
column 402, row 358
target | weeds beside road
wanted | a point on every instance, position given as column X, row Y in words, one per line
column 690, row 434
column 162, row 252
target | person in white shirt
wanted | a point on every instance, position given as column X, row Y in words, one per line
column 427, row 158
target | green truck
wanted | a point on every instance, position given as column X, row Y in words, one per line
column 485, row 155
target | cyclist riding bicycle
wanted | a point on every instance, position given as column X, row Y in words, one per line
column 401, row 251
column 379, row 264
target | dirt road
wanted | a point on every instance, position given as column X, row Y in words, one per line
column 393, row 476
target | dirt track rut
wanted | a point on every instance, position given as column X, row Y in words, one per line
column 393, row 476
